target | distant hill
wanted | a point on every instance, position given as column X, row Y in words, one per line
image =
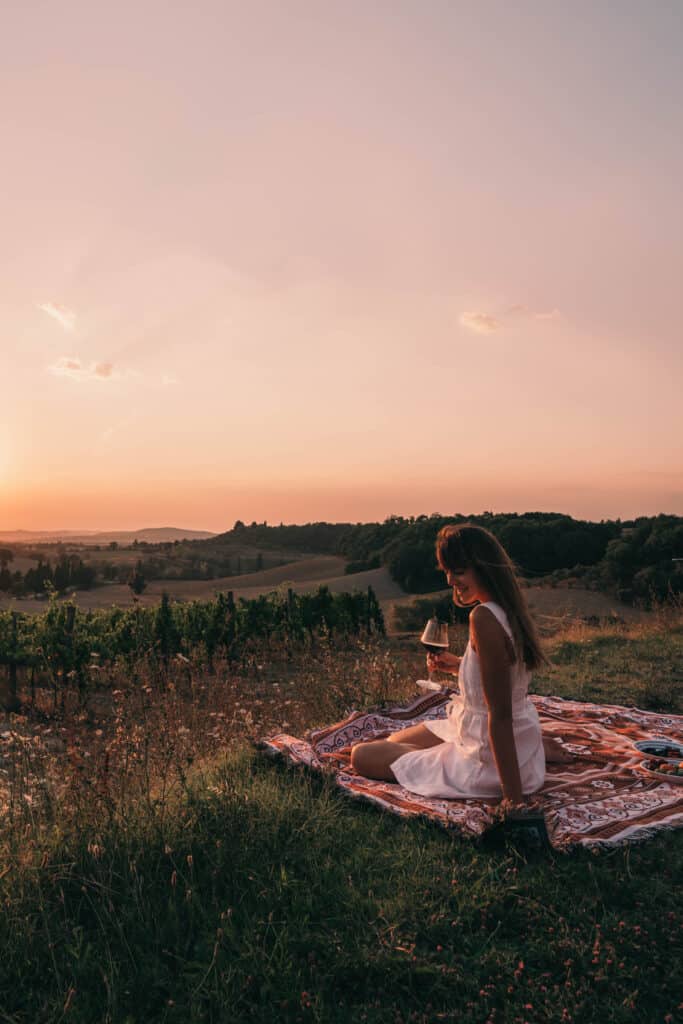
column 152, row 534
column 639, row 560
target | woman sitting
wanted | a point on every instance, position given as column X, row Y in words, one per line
column 490, row 743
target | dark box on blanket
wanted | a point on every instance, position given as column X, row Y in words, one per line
column 528, row 832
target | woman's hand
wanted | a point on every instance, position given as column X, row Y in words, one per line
column 445, row 662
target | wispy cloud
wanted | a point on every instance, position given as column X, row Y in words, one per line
column 482, row 323
column 524, row 313
column 552, row 315
column 63, row 316
column 487, row 323
column 70, row 366
column 115, row 428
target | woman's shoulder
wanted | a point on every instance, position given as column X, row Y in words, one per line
column 489, row 610
column 488, row 622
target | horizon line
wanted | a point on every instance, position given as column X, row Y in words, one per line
column 432, row 515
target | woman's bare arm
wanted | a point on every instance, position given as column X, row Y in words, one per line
column 494, row 660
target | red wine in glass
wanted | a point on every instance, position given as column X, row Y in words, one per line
column 434, row 648
column 435, row 638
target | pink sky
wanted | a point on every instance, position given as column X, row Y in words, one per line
column 339, row 261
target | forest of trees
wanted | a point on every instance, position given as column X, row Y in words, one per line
column 633, row 560
column 69, row 572
column 158, row 562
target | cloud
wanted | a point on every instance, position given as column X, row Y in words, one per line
column 63, row 316
column 552, row 315
column 115, row 428
column 71, row 366
column 524, row 313
column 482, row 323
column 487, row 323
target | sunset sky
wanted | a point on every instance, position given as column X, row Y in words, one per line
column 339, row 260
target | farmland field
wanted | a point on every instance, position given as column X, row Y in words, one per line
column 553, row 607
column 300, row 573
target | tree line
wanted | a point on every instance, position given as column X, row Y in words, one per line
column 634, row 560
column 68, row 571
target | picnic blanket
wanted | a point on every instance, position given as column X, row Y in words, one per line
column 602, row 798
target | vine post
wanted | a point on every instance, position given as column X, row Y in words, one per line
column 12, row 701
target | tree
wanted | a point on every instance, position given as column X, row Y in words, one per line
column 6, row 556
column 136, row 581
column 83, row 575
column 62, row 574
column 166, row 633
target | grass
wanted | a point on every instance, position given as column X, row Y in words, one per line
column 206, row 882
column 639, row 665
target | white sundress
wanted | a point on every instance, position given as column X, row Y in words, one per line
column 463, row 765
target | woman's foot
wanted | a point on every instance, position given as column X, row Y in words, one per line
column 555, row 752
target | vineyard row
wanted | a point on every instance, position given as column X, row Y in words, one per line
column 65, row 641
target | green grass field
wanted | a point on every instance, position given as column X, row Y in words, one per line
column 237, row 889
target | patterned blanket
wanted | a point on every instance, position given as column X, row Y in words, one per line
column 602, row 798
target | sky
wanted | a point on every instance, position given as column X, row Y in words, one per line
column 319, row 260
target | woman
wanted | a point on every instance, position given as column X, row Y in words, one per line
column 490, row 743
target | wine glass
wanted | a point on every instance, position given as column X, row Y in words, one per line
column 435, row 639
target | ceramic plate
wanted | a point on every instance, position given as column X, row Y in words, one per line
column 661, row 747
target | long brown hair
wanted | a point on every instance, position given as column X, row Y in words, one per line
column 467, row 546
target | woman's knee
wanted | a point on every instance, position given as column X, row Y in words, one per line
column 362, row 755
column 373, row 758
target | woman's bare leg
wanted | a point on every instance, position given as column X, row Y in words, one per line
column 373, row 759
column 415, row 735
